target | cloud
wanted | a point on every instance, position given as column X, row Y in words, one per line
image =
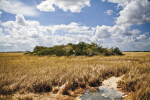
column 109, row 12
column 118, row 34
column 103, row 31
column 135, row 32
column 134, row 12
column 17, row 7
column 74, row 28
column 119, row 2
column 20, row 20
column 1, row 13
column 23, row 34
column 140, row 38
column 74, row 6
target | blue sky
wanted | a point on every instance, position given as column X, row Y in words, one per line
column 110, row 23
column 94, row 14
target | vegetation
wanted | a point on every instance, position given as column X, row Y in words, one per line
column 75, row 49
column 26, row 77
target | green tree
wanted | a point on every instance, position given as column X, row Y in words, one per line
column 117, row 51
column 81, row 48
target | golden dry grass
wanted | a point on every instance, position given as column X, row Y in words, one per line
column 21, row 74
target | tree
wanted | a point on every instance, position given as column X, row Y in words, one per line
column 38, row 49
column 81, row 48
column 117, row 51
column 68, row 50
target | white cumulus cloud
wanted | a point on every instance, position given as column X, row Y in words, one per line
column 134, row 11
column 17, row 7
column 103, row 31
column 23, row 34
column 74, row 6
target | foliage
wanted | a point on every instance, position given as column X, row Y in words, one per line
column 79, row 49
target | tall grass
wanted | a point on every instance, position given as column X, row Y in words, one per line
column 25, row 74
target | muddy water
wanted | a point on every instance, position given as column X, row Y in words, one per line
column 108, row 91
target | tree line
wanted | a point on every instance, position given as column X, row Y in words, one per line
column 79, row 49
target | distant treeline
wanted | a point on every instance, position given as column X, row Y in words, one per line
column 79, row 49
column 136, row 51
column 14, row 52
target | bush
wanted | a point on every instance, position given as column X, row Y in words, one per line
column 81, row 48
column 116, row 51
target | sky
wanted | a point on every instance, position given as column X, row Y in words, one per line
column 25, row 24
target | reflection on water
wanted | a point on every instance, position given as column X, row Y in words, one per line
column 102, row 93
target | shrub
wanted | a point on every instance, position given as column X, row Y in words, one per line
column 116, row 51
column 81, row 48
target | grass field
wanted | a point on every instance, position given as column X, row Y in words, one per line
column 26, row 77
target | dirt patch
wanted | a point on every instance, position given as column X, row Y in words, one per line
column 112, row 82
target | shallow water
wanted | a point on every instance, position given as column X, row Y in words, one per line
column 102, row 93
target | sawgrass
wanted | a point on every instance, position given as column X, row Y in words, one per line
column 24, row 74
